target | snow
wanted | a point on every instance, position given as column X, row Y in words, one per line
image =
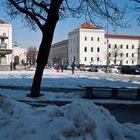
column 79, row 120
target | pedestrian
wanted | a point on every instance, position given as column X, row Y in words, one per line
column 11, row 65
column 14, row 66
column 57, row 68
column 28, row 64
column 62, row 67
column 72, row 67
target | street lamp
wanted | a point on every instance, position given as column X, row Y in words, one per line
column 116, row 13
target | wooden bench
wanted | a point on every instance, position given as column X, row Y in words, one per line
column 115, row 92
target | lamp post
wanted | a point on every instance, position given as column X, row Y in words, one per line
column 107, row 61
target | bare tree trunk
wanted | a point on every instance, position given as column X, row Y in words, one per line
column 42, row 58
column 35, row 90
column 44, row 49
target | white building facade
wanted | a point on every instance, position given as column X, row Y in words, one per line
column 18, row 54
column 128, row 48
column 6, row 29
column 88, row 45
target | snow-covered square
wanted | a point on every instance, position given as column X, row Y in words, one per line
column 81, row 119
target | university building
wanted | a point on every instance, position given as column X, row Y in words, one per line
column 6, row 30
column 18, row 54
column 89, row 44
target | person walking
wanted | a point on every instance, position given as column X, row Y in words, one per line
column 57, row 68
column 11, row 65
column 72, row 67
column 62, row 67
column 14, row 66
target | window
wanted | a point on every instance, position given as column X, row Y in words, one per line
column 109, row 46
column 126, row 54
column 132, row 54
column 98, row 49
column 73, row 50
column 98, row 39
column 126, row 62
column 91, row 38
column 115, row 46
column 91, row 49
column 121, row 46
column 109, row 54
column 121, row 62
column 77, row 49
column 85, row 59
column 77, row 38
column 132, row 46
column 91, row 59
column 126, row 46
column 85, row 49
column 98, row 59
column 85, row 38
column 74, row 58
column 132, row 62
column 121, row 54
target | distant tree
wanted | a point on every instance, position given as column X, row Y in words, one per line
column 31, row 55
column 134, row 10
column 44, row 14
column 115, row 54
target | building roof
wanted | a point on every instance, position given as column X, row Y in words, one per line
column 60, row 43
column 122, row 36
column 2, row 22
column 88, row 26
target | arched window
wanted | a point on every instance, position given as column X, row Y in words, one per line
column 98, row 49
column 16, row 59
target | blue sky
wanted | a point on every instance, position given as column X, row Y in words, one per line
column 26, row 36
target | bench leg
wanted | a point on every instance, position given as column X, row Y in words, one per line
column 89, row 94
column 138, row 94
column 114, row 93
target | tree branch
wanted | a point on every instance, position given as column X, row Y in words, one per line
column 42, row 4
column 26, row 11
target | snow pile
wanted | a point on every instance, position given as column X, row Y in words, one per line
column 80, row 120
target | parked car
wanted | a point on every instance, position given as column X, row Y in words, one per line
column 70, row 68
column 130, row 69
column 84, row 67
column 95, row 68
column 81, row 67
column 113, row 69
